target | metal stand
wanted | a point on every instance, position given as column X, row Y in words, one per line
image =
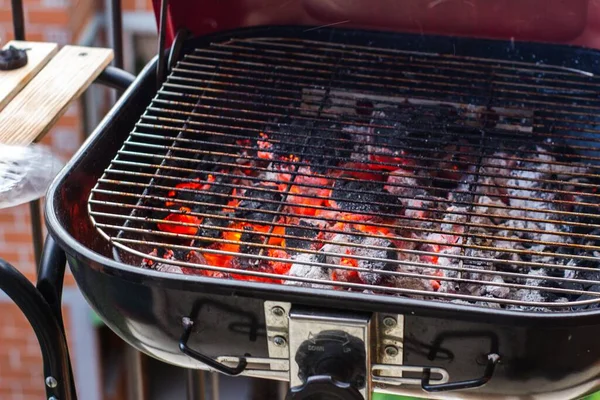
column 36, row 229
column 42, row 305
column 136, row 389
column 195, row 384
column 48, row 328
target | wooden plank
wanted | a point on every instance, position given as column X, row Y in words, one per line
column 38, row 106
column 11, row 82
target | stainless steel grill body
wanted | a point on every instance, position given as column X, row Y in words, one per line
column 145, row 307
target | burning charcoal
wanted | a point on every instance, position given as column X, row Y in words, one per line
column 212, row 192
column 195, row 257
column 302, row 230
column 260, row 197
column 402, row 182
column 159, row 266
column 422, row 206
column 147, row 262
column 344, row 255
column 321, row 144
column 497, row 291
column 346, row 193
column 308, row 271
column 249, row 236
column 414, row 127
column 206, row 231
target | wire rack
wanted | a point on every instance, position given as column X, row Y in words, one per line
column 366, row 169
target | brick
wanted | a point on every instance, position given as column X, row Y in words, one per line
column 11, row 257
column 48, row 16
column 17, row 237
column 7, row 216
column 5, row 15
column 14, row 358
column 70, row 280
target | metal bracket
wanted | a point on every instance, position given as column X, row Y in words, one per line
column 277, row 322
column 389, row 329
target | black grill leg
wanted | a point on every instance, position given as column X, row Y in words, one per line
column 195, row 384
column 58, row 379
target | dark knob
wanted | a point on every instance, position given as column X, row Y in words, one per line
column 332, row 366
column 12, row 58
column 324, row 388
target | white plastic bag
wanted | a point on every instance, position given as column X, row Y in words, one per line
column 25, row 173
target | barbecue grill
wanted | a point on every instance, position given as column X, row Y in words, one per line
column 348, row 209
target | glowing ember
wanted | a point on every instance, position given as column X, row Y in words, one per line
column 178, row 220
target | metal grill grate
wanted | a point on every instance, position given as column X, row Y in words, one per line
column 367, row 169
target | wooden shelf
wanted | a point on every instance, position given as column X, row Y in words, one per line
column 34, row 97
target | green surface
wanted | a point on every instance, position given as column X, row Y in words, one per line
column 377, row 396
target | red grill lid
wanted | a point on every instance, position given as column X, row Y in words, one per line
column 557, row 21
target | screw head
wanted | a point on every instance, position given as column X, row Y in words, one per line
column 391, row 351
column 389, row 322
column 51, row 382
column 278, row 311
column 279, row 341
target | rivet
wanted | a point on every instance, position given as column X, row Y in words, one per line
column 51, row 382
column 279, row 341
column 391, row 351
column 278, row 311
column 389, row 322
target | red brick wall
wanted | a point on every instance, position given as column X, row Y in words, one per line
column 20, row 357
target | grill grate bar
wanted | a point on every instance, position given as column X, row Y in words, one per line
column 367, row 223
column 266, row 258
column 366, row 136
column 347, row 285
column 378, row 225
column 504, row 159
column 439, row 59
column 359, row 63
column 248, row 104
column 466, row 192
column 390, row 164
column 232, row 65
column 393, row 80
column 568, row 223
column 501, row 133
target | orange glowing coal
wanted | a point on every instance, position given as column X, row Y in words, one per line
column 196, row 185
column 178, row 219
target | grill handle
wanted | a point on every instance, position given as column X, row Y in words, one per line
column 188, row 325
column 492, row 360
